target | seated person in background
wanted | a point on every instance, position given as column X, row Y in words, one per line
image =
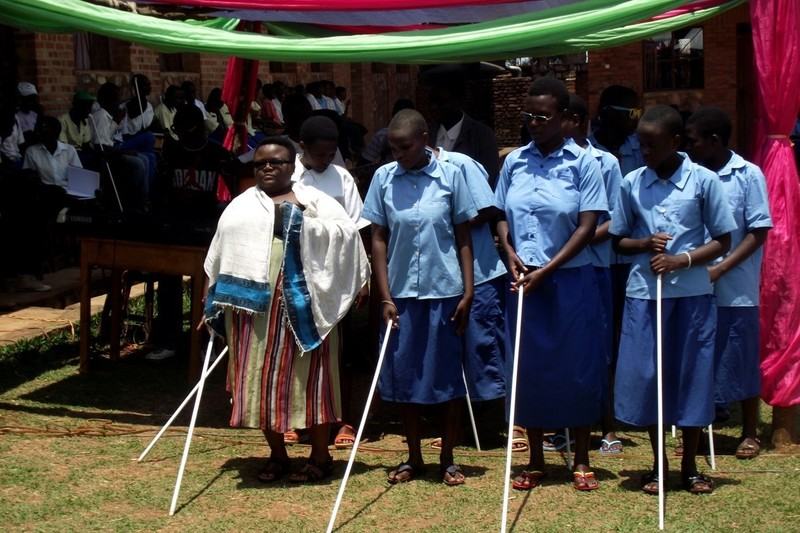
column 29, row 109
column 165, row 111
column 75, row 129
column 39, row 203
column 342, row 101
column 271, row 108
column 51, row 157
column 128, row 165
column 218, row 110
column 11, row 139
column 135, row 126
column 190, row 94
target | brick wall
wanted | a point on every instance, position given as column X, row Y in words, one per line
column 623, row 65
column 55, row 71
column 508, row 95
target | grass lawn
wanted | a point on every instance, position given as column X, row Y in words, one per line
column 69, row 444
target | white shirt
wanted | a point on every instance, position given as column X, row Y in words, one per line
column 104, row 130
column 26, row 120
column 340, row 107
column 447, row 138
column 52, row 168
column 165, row 117
column 313, row 101
column 10, row 145
column 336, row 182
column 328, row 103
column 278, row 108
column 132, row 126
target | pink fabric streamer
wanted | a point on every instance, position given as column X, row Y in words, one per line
column 776, row 43
column 690, row 8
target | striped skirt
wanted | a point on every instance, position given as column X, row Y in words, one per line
column 272, row 383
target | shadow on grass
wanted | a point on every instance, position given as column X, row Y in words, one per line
column 366, row 506
column 632, row 480
column 131, row 391
column 30, row 358
column 249, row 468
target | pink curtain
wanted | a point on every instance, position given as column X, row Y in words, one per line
column 776, row 44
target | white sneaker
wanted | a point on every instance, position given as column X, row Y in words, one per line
column 29, row 283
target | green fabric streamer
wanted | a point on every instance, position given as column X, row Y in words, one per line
column 567, row 28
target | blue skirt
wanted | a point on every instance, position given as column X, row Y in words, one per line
column 424, row 357
column 606, row 311
column 561, row 365
column 484, row 342
column 737, row 369
column 689, row 326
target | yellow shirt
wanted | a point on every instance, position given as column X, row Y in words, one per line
column 75, row 134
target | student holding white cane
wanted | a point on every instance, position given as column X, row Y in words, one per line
column 420, row 210
column 661, row 216
column 552, row 192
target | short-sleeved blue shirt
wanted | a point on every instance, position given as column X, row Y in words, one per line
column 487, row 264
column 746, row 189
column 420, row 209
column 630, row 153
column 602, row 253
column 687, row 204
column 543, row 196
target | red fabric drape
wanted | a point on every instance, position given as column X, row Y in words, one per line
column 776, row 46
column 238, row 90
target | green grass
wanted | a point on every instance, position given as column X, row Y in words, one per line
column 69, row 443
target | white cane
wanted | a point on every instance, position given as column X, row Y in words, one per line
column 108, row 167
column 361, row 427
column 471, row 413
column 660, row 393
column 712, row 456
column 569, row 449
column 512, row 409
column 181, row 406
column 192, row 422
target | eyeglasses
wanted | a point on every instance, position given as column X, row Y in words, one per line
column 274, row 163
column 634, row 113
column 529, row 118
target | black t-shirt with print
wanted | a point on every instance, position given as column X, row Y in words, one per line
column 188, row 180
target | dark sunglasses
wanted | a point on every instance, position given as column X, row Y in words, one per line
column 274, row 163
column 529, row 118
column 634, row 113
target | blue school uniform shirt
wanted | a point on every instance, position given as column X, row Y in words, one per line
column 487, row 263
column 420, row 208
column 543, row 196
column 687, row 204
column 746, row 190
column 602, row 253
column 630, row 153
column 630, row 159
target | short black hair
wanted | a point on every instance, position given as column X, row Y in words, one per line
column 318, row 128
column 400, row 104
column 577, row 106
column 51, row 123
column 665, row 116
column 280, row 140
column 551, row 87
column 710, row 120
column 187, row 117
column 408, row 120
column 618, row 95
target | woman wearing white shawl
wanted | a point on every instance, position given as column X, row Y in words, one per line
column 284, row 267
